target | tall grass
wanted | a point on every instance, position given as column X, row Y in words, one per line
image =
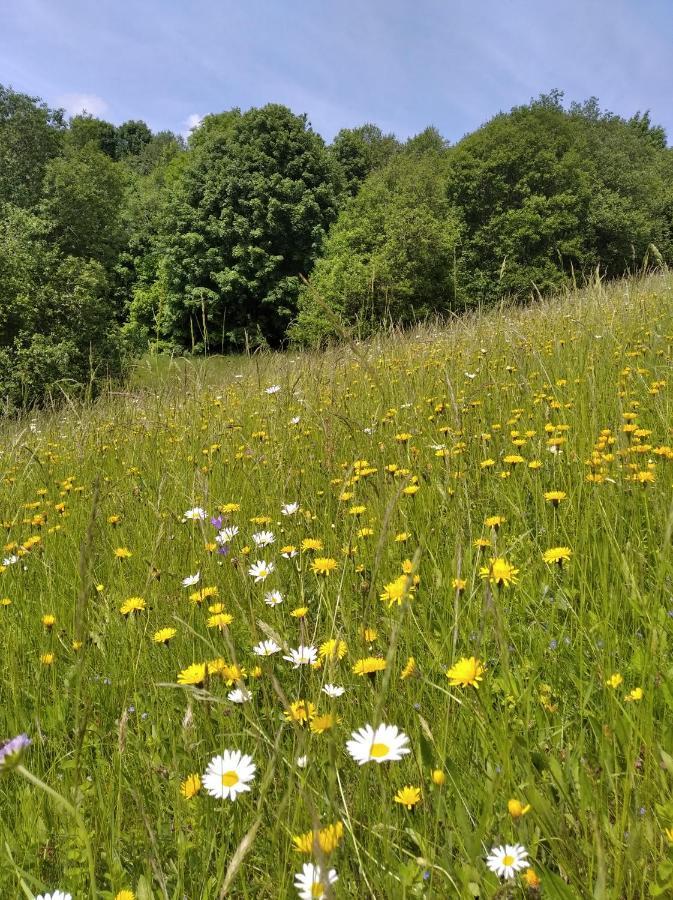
column 116, row 735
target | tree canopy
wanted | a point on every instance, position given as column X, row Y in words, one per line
column 115, row 239
column 247, row 216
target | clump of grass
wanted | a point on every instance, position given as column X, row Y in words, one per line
column 489, row 501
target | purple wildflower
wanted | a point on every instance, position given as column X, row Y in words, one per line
column 10, row 751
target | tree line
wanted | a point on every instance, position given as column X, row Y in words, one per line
column 115, row 239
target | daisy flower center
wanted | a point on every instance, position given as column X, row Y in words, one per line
column 317, row 889
column 379, row 750
column 507, row 860
column 229, row 779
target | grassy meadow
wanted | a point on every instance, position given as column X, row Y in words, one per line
column 492, row 500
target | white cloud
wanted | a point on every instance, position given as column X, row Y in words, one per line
column 74, row 104
column 192, row 122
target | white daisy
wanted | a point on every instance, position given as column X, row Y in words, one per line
column 265, row 648
column 289, row 509
column 263, row 538
column 229, row 774
column 289, row 554
column 508, row 860
column 10, row 560
column 386, row 743
column 191, row 580
column 333, row 690
column 295, row 421
column 260, row 570
column 226, row 535
column 302, row 656
column 57, row 895
column 273, row 598
column 195, row 514
column 311, row 882
column 301, row 761
column 239, row 695
column 272, row 389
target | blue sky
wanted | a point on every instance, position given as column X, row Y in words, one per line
column 400, row 64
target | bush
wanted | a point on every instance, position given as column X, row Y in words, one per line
column 389, row 257
column 548, row 195
column 54, row 315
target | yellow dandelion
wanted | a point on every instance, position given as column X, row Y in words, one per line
column 333, row 649
column 467, row 672
column 323, row 565
column 194, row 674
column 635, row 695
column 191, row 786
column 300, row 711
column 311, row 544
column 132, row 605
column 555, row 497
column 325, row 722
column 164, row 635
column 494, row 522
column 499, row 572
column 614, row 680
column 369, row 665
column 409, row 669
column 220, row 620
column 396, row 591
column 559, row 555
column 408, row 796
column 327, row 839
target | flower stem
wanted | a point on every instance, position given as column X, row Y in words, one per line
column 69, row 807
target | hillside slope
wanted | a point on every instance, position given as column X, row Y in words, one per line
column 468, row 530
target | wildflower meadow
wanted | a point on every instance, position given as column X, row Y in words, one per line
column 393, row 620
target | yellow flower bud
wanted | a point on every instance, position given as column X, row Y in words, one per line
column 516, row 808
column 531, row 878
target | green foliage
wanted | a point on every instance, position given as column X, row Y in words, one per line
column 132, row 138
column 83, row 192
column 360, row 151
column 548, row 194
column 163, row 147
column 55, row 325
column 245, row 219
column 30, row 135
column 427, row 141
column 390, row 257
column 86, row 129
